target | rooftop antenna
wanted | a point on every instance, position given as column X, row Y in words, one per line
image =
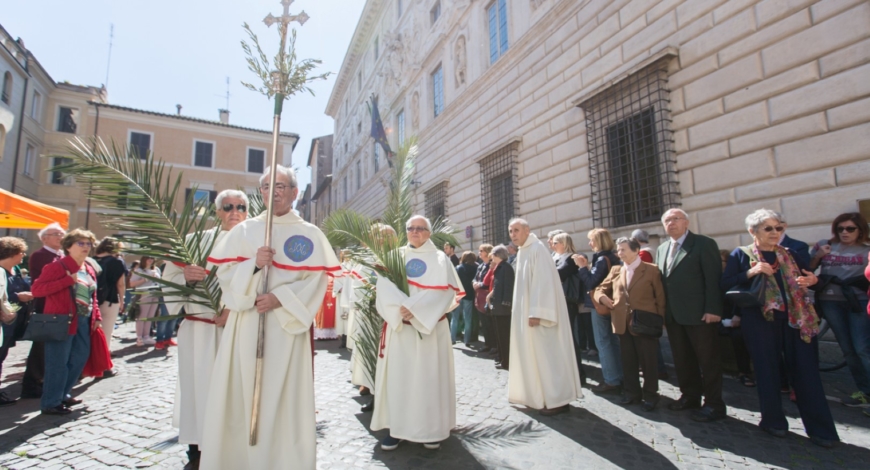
column 109, row 61
column 227, row 95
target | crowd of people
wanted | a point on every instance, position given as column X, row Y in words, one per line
column 541, row 306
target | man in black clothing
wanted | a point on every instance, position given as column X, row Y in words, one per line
column 450, row 251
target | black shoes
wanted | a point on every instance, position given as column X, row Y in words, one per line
column 775, row 432
column 628, row 400
column 370, row 406
column 827, row 444
column 649, row 405
column 606, row 388
column 25, row 394
column 707, row 415
column 685, row 404
column 57, row 410
column 554, row 411
column 5, row 400
column 70, row 402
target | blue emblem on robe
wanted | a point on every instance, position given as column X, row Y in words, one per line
column 415, row 268
column 298, row 248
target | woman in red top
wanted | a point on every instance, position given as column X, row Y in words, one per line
column 69, row 286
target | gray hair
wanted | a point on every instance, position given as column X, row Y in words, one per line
column 419, row 217
column 517, row 220
column 675, row 209
column 501, row 252
column 780, row 217
column 755, row 219
column 633, row 244
column 219, row 199
column 283, row 170
column 53, row 225
column 640, row 235
column 553, row 233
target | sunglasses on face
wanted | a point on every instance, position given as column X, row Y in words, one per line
column 84, row 244
column 850, row 229
column 229, row 207
column 417, row 229
column 778, row 228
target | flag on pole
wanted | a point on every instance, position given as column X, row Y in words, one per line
column 378, row 132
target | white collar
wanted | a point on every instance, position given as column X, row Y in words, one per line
column 682, row 239
column 634, row 264
column 57, row 252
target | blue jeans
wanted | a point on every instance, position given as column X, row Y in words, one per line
column 64, row 362
column 609, row 355
column 853, row 333
column 167, row 327
column 465, row 308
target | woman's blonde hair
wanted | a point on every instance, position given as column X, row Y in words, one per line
column 601, row 237
column 566, row 240
column 486, row 247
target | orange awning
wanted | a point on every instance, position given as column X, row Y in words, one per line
column 19, row 212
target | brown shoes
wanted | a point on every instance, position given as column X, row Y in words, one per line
column 553, row 411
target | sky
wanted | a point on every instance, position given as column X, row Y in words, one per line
column 168, row 52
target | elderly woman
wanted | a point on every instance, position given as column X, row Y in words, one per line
column 841, row 296
column 634, row 286
column 14, row 289
column 607, row 343
column 785, row 323
column 69, row 286
column 501, row 278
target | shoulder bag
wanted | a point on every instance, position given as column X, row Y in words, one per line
column 754, row 296
column 601, row 309
column 50, row 327
column 645, row 323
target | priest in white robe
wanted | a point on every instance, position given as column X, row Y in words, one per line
column 543, row 373
column 415, row 388
column 199, row 334
column 299, row 260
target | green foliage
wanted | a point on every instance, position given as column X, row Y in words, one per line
column 368, row 326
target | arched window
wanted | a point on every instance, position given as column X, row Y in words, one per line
column 7, row 87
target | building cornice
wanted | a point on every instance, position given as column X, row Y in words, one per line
column 354, row 54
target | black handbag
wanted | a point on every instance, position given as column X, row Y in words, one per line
column 48, row 326
column 754, row 296
column 645, row 323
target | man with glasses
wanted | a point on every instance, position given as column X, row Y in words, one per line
column 199, row 334
column 298, row 262
column 691, row 267
column 50, row 236
column 415, row 386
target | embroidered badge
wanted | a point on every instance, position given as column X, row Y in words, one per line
column 415, row 268
column 298, row 248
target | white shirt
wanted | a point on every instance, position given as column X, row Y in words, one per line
column 51, row 250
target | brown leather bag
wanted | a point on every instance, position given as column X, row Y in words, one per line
column 601, row 309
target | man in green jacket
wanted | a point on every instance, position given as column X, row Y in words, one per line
column 691, row 269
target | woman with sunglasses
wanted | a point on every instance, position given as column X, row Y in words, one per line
column 841, row 295
column 69, row 286
column 785, row 324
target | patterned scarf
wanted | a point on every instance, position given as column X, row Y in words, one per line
column 801, row 314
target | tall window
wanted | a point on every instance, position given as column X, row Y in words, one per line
column 203, row 154
column 436, row 202
column 435, row 12
column 58, row 177
column 256, row 161
column 498, row 191
column 36, row 106
column 438, row 90
column 359, row 174
column 140, row 144
column 400, row 124
column 498, row 29
column 6, row 94
column 376, row 48
column 29, row 156
column 345, row 188
column 68, row 120
column 632, row 166
column 376, row 155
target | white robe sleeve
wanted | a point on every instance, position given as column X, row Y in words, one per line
column 300, row 299
column 428, row 306
column 388, row 302
column 239, row 284
column 545, row 292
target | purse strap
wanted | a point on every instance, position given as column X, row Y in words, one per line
column 748, row 250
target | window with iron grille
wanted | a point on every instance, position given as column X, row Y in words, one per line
column 498, row 183
column 438, row 90
column 632, row 164
column 498, row 29
column 436, row 201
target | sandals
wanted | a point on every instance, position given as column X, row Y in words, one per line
column 746, row 380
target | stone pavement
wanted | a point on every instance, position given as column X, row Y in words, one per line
column 125, row 422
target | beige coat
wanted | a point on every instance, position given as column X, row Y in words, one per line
column 645, row 293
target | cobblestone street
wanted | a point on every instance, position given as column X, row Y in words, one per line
column 125, row 422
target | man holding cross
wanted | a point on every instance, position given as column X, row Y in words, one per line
column 299, row 261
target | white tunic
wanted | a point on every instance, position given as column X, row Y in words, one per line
column 197, row 347
column 415, row 388
column 543, row 370
column 356, row 277
column 286, row 433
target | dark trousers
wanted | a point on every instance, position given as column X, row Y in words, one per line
column 585, row 336
column 34, row 373
column 503, row 333
column 698, row 362
column 4, row 351
column 767, row 340
column 640, row 352
column 490, row 339
column 741, row 354
column 577, row 335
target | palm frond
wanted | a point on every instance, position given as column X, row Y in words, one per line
column 368, row 338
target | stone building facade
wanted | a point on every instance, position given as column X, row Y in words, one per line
column 13, row 82
column 577, row 114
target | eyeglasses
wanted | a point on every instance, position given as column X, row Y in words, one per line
column 54, row 234
column 416, row 229
column 85, row 244
column 843, row 228
column 673, row 219
column 770, row 228
column 279, row 187
column 239, row 207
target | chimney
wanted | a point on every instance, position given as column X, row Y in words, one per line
column 225, row 115
column 178, row 107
